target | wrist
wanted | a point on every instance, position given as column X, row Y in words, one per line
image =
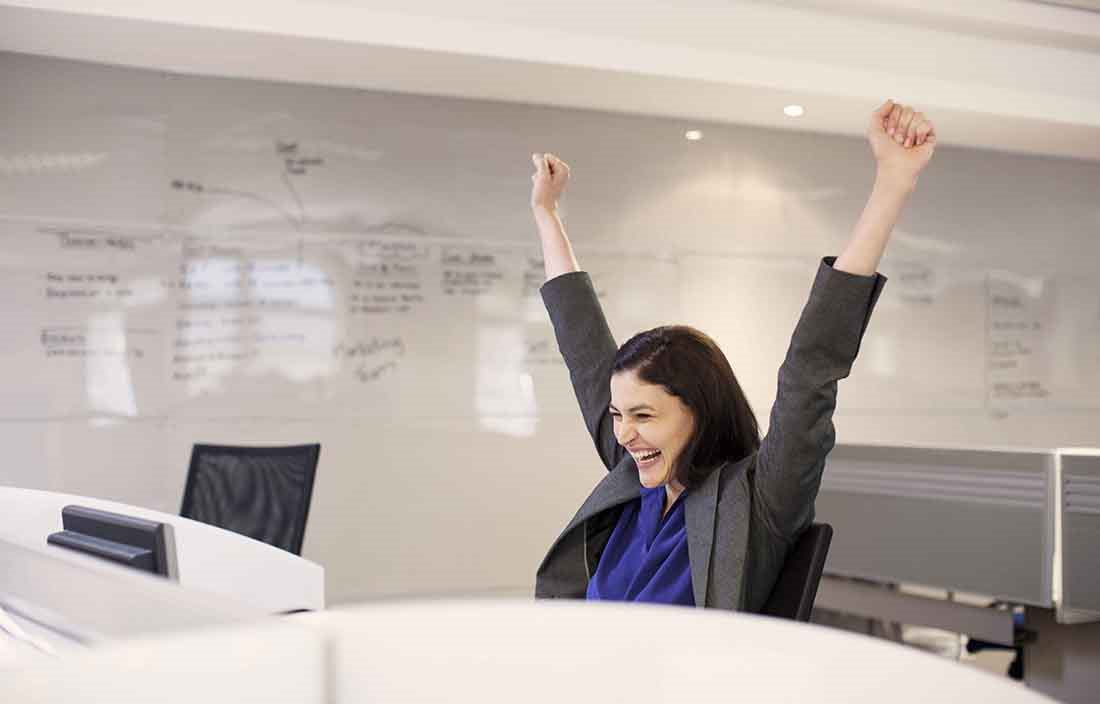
column 545, row 211
column 895, row 181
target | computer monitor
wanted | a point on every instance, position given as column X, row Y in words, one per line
column 128, row 540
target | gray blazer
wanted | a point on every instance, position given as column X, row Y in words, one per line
column 746, row 515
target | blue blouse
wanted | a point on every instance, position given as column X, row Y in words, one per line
column 646, row 558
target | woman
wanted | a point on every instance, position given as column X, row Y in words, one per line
column 695, row 508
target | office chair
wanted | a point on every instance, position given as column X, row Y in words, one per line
column 261, row 492
column 793, row 595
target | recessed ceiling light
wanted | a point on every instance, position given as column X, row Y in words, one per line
column 693, row 135
column 794, row 111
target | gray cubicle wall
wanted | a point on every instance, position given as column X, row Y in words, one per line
column 1080, row 563
column 969, row 520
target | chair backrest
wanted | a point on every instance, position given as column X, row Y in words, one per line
column 261, row 492
column 794, row 591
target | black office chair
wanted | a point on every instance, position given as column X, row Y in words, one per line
column 261, row 492
column 795, row 590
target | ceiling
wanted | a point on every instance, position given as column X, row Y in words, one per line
column 1010, row 75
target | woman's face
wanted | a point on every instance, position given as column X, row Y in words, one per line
column 653, row 425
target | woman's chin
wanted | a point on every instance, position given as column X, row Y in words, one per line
column 651, row 480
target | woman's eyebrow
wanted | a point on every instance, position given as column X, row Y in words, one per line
column 635, row 409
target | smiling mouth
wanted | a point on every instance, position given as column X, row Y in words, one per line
column 648, row 459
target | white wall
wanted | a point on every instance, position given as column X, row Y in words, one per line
column 452, row 494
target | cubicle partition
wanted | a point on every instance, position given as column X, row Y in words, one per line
column 978, row 521
column 1019, row 526
column 1008, row 528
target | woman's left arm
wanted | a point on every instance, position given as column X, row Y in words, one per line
column 826, row 340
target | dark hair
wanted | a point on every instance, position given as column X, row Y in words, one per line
column 690, row 366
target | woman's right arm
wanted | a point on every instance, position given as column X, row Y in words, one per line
column 582, row 333
column 548, row 183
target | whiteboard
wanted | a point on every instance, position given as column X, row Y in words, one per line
column 161, row 323
column 204, row 260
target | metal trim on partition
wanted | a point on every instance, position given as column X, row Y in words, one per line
column 1079, row 525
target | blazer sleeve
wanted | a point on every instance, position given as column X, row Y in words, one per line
column 588, row 348
column 800, row 434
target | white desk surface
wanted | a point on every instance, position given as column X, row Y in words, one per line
column 262, row 663
column 573, row 651
column 60, row 603
column 509, row 651
column 209, row 558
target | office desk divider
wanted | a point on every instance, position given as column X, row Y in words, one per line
column 1018, row 526
column 978, row 521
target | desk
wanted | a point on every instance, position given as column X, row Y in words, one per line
column 70, row 602
column 516, row 651
column 565, row 651
column 261, row 664
column 208, row 558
